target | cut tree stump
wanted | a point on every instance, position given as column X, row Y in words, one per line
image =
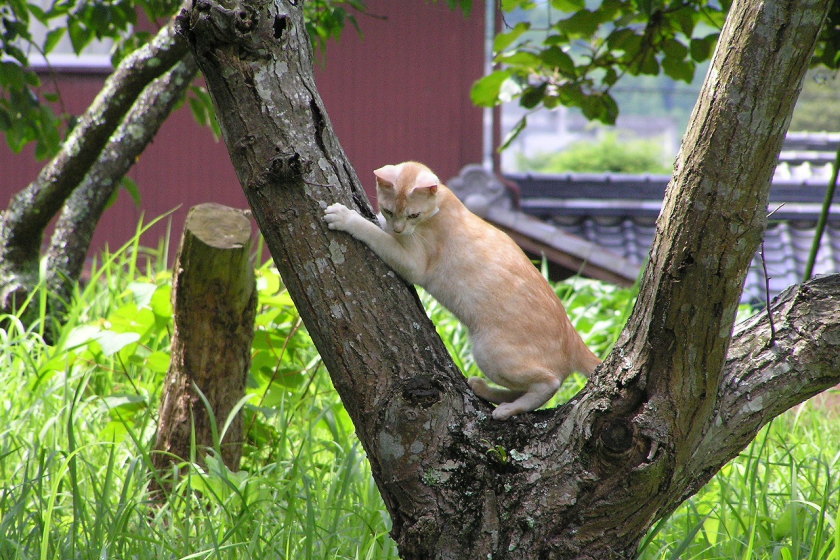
column 214, row 301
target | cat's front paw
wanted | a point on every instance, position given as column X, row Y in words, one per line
column 338, row 216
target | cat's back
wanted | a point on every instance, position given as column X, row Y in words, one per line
column 479, row 272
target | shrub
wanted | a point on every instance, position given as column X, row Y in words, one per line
column 608, row 155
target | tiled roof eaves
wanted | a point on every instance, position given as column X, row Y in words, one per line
column 550, row 207
column 545, row 236
column 630, row 188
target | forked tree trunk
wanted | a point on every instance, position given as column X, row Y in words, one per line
column 665, row 411
column 214, row 301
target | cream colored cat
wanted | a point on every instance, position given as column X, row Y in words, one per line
column 521, row 336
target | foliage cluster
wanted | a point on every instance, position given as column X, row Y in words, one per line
column 609, row 155
column 79, row 418
column 574, row 52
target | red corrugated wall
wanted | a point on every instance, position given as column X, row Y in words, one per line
column 400, row 91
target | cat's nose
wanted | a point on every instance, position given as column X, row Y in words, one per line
column 398, row 227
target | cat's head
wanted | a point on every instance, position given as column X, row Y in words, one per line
column 407, row 195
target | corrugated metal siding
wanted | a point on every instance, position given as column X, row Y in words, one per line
column 401, row 92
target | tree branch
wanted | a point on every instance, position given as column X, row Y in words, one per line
column 713, row 216
column 81, row 212
column 761, row 380
column 30, row 210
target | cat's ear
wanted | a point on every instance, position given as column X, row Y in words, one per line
column 386, row 176
column 428, row 189
column 428, row 182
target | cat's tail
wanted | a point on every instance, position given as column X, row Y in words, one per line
column 587, row 361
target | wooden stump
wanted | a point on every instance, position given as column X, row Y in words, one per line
column 214, row 300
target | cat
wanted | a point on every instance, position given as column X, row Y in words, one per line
column 521, row 336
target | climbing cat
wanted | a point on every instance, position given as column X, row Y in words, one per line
column 522, row 338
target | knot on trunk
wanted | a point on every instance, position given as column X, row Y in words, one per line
column 617, row 442
column 422, row 391
column 616, row 437
column 210, row 24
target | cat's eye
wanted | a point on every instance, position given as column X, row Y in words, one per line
column 386, row 212
column 414, row 216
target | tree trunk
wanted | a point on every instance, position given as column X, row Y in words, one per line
column 214, row 301
column 81, row 212
column 22, row 224
column 665, row 411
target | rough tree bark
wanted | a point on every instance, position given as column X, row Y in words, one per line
column 214, row 299
column 664, row 412
column 23, row 223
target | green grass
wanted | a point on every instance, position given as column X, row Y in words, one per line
column 778, row 500
column 77, row 421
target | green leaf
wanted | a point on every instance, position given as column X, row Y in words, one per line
column 112, row 342
column 142, row 293
column 701, row 49
column 485, row 92
column 82, row 336
column 610, row 76
column 686, row 19
column 52, row 39
column 646, row 7
column 609, row 10
column 17, row 54
column 678, row 69
column 161, row 302
column 568, row 6
column 511, row 136
column 158, row 361
column 129, row 185
column 582, row 24
column 511, row 5
column 129, row 402
column 523, row 59
column 12, row 76
column 532, row 96
column 600, row 106
column 504, row 40
column 5, row 119
column 624, row 39
column 646, row 63
column 80, row 35
column 571, row 94
column 555, row 57
column 38, row 12
column 674, row 49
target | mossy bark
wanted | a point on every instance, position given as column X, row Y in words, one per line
column 664, row 412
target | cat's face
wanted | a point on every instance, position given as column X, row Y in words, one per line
column 407, row 196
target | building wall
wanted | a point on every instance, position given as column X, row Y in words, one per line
column 401, row 91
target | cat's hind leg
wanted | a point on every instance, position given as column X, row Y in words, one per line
column 537, row 395
column 495, row 395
